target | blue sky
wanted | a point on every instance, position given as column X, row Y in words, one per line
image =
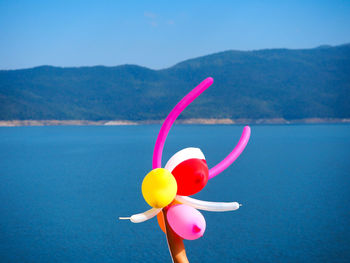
column 158, row 34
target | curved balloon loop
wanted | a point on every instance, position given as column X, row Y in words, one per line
column 169, row 121
column 176, row 111
column 242, row 143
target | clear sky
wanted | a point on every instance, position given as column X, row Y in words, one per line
column 158, row 34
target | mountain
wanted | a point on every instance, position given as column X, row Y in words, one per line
column 271, row 83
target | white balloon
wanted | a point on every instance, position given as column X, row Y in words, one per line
column 183, row 155
column 142, row 217
column 208, row 206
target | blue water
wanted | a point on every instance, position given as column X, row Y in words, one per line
column 63, row 188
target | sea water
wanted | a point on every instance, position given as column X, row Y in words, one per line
column 62, row 190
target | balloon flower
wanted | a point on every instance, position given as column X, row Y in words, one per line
column 185, row 174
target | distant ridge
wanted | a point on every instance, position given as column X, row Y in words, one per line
column 260, row 84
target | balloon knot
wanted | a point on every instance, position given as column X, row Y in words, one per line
column 196, row 229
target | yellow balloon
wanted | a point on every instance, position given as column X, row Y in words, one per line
column 159, row 188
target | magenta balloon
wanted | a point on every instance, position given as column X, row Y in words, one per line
column 242, row 143
column 169, row 121
column 164, row 130
column 186, row 221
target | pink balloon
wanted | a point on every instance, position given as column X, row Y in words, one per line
column 186, row 221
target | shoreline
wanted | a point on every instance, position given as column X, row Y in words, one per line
column 209, row 121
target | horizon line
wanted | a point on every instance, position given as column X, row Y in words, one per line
column 130, row 64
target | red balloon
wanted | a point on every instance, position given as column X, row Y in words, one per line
column 191, row 176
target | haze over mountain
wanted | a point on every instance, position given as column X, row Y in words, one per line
column 272, row 83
